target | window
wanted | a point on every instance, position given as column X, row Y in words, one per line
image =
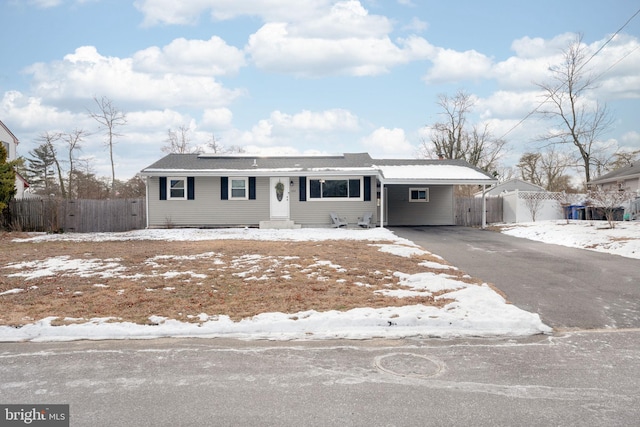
column 177, row 188
column 238, row 189
column 418, row 194
column 335, row 188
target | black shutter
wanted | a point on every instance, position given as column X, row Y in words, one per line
column 224, row 188
column 163, row 188
column 191, row 191
column 252, row 188
column 367, row 188
column 303, row 189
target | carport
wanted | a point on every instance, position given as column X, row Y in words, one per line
column 422, row 193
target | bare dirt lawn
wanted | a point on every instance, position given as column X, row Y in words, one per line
column 134, row 280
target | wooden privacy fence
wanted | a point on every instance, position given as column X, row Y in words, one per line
column 469, row 211
column 85, row 216
column 79, row 215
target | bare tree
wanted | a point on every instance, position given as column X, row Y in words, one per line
column 179, row 141
column 110, row 118
column 609, row 202
column 529, row 166
column 547, row 169
column 454, row 138
column 624, row 158
column 73, row 141
column 533, row 202
column 49, row 139
column 581, row 122
column 216, row 147
column 214, row 144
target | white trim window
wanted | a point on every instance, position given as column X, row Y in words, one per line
column 176, row 188
column 331, row 188
column 418, row 194
column 238, row 188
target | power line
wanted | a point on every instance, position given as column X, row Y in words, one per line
column 535, row 110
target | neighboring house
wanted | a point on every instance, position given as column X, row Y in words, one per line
column 212, row 190
column 10, row 143
column 623, row 179
column 626, row 178
column 508, row 186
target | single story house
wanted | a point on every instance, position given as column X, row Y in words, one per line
column 626, row 178
column 214, row 190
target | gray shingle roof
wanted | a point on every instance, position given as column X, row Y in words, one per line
column 247, row 162
column 619, row 174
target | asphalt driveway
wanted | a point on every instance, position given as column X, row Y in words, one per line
column 569, row 288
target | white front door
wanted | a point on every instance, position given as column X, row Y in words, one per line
column 279, row 197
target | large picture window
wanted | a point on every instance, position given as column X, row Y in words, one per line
column 335, row 188
column 418, row 194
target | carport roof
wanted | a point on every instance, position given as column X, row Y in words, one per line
column 429, row 172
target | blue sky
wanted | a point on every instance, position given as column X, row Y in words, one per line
column 302, row 76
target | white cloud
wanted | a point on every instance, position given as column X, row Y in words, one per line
column 282, row 129
column 156, row 120
column 631, row 140
column 211, row 57
column 304, row 38
column 508, row 104
column 384, row 142
column 29, row 112
column 416, row 25
column 275, row 48
column 453, row 66
column 532, row 48
column 45, row 4
column 188, row 12
column 86, row 73
column 345, row 19
column 309, row 121
column 216, row 118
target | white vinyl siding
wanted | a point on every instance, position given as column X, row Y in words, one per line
column 310, row 213
column 207, row 209
column 402, row 211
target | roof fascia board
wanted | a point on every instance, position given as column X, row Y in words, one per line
column 418, row 181
column 616, row 179
column 260, row 172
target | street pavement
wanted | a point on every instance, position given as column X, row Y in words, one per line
column 572, row 379
column 587, row 373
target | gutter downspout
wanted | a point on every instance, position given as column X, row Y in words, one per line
column 484, row 206
column 147, row 199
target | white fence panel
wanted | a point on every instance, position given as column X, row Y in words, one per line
column 522, row 206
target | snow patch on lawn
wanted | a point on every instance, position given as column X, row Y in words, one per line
column 475, row 310
column 623, row 240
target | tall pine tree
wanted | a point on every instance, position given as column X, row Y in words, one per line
column 40, row 173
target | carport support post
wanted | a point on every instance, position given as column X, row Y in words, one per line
column 484, row 206
column 381, row 204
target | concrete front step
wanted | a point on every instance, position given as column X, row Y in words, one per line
column 279, row 224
